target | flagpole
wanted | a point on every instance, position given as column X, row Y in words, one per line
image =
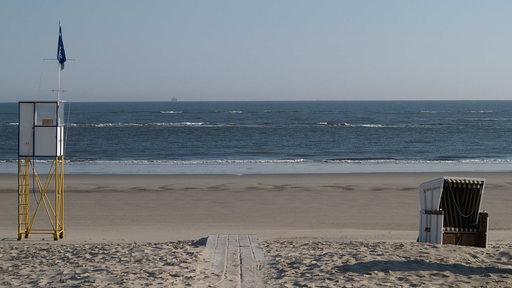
column 59, row 67
column 58, row 82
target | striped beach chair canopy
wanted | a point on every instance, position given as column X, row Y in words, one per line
column 460, row 202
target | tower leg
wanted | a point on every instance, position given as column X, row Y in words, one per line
column 57, row 200
column 23, row 197
column 54, row 211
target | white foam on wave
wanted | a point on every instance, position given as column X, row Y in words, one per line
column 481, row 111
column 369, row 125
column 171, row 112
column 290, row 166
column 163, row 124
column 127, row 125
column 434, row 111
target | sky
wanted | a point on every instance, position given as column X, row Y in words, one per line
column 257, row 50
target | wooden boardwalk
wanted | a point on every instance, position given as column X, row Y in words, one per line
column 238, row 259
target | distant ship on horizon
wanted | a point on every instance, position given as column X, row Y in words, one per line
column 174, row 99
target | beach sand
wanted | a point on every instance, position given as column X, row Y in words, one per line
column 317, row 230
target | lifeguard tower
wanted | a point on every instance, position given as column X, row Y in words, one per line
column 40, row 143
column 41, row 134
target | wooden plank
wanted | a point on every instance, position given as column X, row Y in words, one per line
column 219, row 254
column 244, row 240
column 256, row 248
column 211, row 243
column 246, row 256
column 238, row 260
column 251, row 266
column 233, row 273
column 249, row 273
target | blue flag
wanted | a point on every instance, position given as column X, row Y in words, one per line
column 61, row 55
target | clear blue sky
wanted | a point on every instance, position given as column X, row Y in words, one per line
column 258, row 50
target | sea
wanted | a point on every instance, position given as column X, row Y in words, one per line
column 270, row 137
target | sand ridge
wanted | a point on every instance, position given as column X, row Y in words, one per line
column 386, row 264
column 288, row 263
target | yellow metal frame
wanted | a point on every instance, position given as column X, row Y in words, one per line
column 27, row 211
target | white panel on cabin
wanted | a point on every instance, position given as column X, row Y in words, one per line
column 26, row 124
column 431, row 228
column 430, row 194
column 422, row 235
column 60, row 140
column 45, row 141
column 437, row 228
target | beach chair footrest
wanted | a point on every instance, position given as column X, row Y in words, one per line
column 476, row 239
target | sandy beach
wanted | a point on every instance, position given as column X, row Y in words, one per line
column 317, row 230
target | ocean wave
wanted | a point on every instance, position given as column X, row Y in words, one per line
column 448, row 111
column 481, row 111
column 181, row 124
column 292, row 166
column 211, row 112
column 272, row 161
column 435, row 111
column 351, row 125
column 166, row 124
column 408, row 162
column 264, row 125
column 194, row 162
column 282, row 161
column 377, row 125
column 171, row 112
column 367, row 125
column 128, row 125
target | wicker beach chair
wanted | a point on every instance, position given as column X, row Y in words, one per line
column 450, row 212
